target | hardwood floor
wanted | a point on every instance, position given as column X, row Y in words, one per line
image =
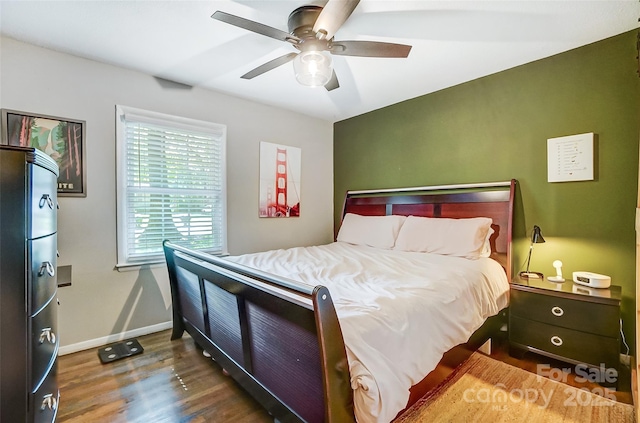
column 172, row 382
column 169, row 382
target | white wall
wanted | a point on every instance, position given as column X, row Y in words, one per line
column 102, row 301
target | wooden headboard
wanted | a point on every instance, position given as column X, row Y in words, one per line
column 494, row 200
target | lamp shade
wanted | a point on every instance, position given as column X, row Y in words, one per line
column 536, row 236
column 313, row 68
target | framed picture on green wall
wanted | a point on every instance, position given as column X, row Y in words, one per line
column 570, row 158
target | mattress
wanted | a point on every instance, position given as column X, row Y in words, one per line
column 399, row 311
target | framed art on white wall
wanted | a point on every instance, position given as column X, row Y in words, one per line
column 61, row 138
column 280, row 167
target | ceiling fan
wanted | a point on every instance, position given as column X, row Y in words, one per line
column 311, row 31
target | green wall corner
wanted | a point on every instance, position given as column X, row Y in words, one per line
column 496, row 128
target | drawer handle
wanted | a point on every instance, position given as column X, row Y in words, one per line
column 556, row 340
column 46, row 199
column 47, row 335
column 557, row 311
column 48, row 401
column 47, row 267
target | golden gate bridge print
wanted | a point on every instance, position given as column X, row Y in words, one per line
column 279, row 180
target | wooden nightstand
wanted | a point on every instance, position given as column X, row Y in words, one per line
column 566, row 321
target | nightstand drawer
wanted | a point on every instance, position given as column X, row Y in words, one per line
column 572, row 344
column 595, row 318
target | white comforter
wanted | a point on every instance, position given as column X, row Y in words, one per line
column 398, row 311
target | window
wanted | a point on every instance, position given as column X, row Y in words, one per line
column 170, row 185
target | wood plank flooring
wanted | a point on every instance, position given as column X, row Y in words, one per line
column 172, row 382
column 169, row 382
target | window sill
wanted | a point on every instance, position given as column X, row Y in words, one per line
column 156, row 263
column 137, row 266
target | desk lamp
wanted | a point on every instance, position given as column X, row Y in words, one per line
column 536, row 238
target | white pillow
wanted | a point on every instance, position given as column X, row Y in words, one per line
column 486, row 248
column 455, row 237
column 374, row 231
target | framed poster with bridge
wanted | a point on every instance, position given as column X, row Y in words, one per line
column 280, row 167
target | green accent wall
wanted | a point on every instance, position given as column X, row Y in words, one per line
column 496, row 128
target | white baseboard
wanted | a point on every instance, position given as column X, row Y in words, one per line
column 98, row 342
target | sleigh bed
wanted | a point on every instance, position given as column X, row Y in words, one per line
column 313, row 333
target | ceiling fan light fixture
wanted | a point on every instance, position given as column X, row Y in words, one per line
column 313, row 68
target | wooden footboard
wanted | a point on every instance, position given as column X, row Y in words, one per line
column 279, row 339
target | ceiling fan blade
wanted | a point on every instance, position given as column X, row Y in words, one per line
column 272, row 64
column 256, row 27
column 333, row 82
column 332, row 16
column 369, row 49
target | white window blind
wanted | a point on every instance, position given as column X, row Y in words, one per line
column 171, row 185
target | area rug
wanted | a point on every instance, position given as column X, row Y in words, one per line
column 487, row 390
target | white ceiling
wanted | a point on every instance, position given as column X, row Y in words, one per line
column 453, row 42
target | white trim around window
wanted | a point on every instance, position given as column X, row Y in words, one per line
column 171, row 184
